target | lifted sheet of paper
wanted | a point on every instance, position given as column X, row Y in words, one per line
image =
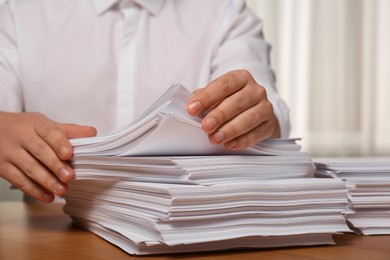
column 166, row 129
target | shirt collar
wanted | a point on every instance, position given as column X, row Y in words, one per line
column 153, row 6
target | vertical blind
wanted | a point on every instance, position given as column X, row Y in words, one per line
column 332, row 61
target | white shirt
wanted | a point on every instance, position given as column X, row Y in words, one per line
column 103, row 62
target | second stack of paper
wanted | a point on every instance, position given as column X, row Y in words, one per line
column 368, row 183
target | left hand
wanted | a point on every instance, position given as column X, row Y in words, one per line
column 240, row 114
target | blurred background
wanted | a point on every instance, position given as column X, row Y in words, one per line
column 332, row 62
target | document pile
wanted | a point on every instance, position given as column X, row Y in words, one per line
column 158, row 186
column 368, row 183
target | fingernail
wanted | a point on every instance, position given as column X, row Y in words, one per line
column 210, row 123
column 194, row 107
column 65, row 174
column 233, row 144
column 47, row 197
column 64, row 152
column 219, row 136
column 58, row 188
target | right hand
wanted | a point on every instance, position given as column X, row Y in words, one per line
column 34, row 151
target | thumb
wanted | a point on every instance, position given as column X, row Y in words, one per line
column 77, row 131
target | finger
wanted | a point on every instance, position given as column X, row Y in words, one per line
column 55, row 138
column 258, row 134
column 38, row 173
column 52, row 148
column 77, row 131
column 13, row 175
column 232, row 106
column 40, row 150
column 43, row 152
column 196, row 91
column 72, row 131
column 217, row 90
column 205, row 113
column 243, row 123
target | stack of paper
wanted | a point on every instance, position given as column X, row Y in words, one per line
column 159, row 186
column 167, row 145
column 205, row 170
column 149, row 218
column 368, row 183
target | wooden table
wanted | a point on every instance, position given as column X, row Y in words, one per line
column 43, row 231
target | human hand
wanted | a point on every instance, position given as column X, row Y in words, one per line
column 240, row 114
column 34, row 152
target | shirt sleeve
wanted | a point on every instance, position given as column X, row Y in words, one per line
column 240, row 45
column 10, row 89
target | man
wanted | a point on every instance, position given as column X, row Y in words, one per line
column 102, row 62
